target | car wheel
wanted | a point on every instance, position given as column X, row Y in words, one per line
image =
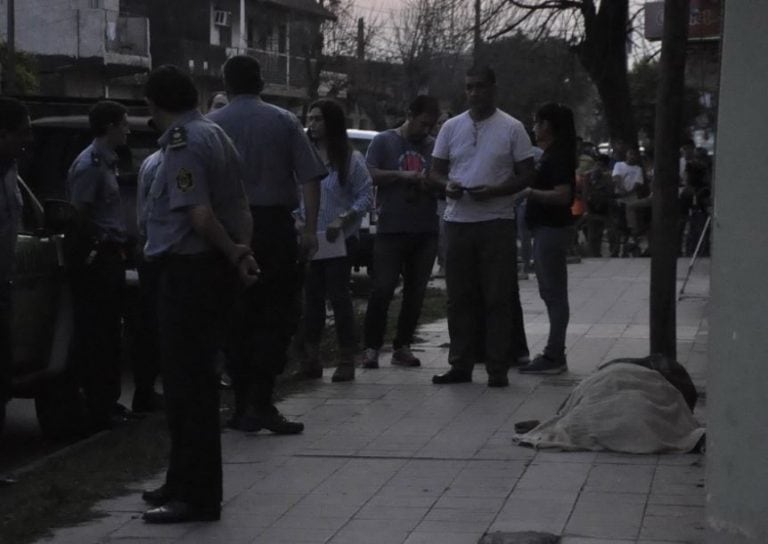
column 61, row 410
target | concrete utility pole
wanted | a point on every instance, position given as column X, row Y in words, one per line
column 360, row 39
column 478, row 40
column 669, row 124
column 10, row 66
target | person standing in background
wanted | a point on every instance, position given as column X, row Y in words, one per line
column 549, row 217
column 346, row 195
column 407, row 230
column 279, row 163
column 198, row 230
column 98, row 263
column 483, row 157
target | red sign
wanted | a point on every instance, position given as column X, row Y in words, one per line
column 705, row 19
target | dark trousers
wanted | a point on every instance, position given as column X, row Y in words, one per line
column 98, row 290
column 329, row 278
column 6, row 350
column 550, row 249
column 596, row 225
column 265, row 316
column 193, row 297
column 483, row 295
column 146, row 365
column 523, row 234
column 409, row 255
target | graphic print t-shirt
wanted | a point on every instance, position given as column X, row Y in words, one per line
column 402, row 207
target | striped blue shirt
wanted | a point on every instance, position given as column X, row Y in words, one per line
column 356, row 195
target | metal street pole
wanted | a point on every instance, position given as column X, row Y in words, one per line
column 10, row 65
column 669, row 123
column 478, row 40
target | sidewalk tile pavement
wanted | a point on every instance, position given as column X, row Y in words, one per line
column 392, row 459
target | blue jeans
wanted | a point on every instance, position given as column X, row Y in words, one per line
column 550, row 249
column 330, row 278
column 413, row 256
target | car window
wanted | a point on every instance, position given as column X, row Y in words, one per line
column 48, row 159
column 31, row 212
column 360, row 144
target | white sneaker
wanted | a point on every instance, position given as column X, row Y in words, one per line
column 370, row 358
column 403, row 356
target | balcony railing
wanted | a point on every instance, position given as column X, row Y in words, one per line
column 277, row 68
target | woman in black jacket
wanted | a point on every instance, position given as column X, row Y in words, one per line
column 548, row 215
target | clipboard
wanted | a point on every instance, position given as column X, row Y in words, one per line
column 330, row 250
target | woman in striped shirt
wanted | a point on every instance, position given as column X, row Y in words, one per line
column 346, row 195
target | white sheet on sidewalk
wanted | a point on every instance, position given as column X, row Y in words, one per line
column 623, row 408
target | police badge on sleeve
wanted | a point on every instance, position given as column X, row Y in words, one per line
column 184, row 180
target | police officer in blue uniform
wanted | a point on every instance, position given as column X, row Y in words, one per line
column 98, row 263
column 280, row 162
column 198, row 229
column 15, row 134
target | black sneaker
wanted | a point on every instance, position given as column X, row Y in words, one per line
column 544, row 364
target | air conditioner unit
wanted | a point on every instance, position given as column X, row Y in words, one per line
column 222, row 18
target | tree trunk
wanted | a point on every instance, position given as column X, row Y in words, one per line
column 669, row 124
column 603, row 54
column 614, row 94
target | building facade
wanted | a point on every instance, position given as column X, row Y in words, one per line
column 82, row 48
column 201, row 34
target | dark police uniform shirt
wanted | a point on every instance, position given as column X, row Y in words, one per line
column 200, row 167
column 556, row 167
column 92, row 181
column 10, row 216
column 276, row 152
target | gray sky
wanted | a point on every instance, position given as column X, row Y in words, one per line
column 381, row 11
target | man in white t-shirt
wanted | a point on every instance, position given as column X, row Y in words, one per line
column 483, row 157
column 627, row 178
column 628, row 175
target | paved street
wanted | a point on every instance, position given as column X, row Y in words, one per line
column 393, row 459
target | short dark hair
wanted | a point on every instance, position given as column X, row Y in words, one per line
column 242, row 75
column 13, row 112
column 424, row 104
column 486, row 73
column 104, row 114
column 171, row 89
